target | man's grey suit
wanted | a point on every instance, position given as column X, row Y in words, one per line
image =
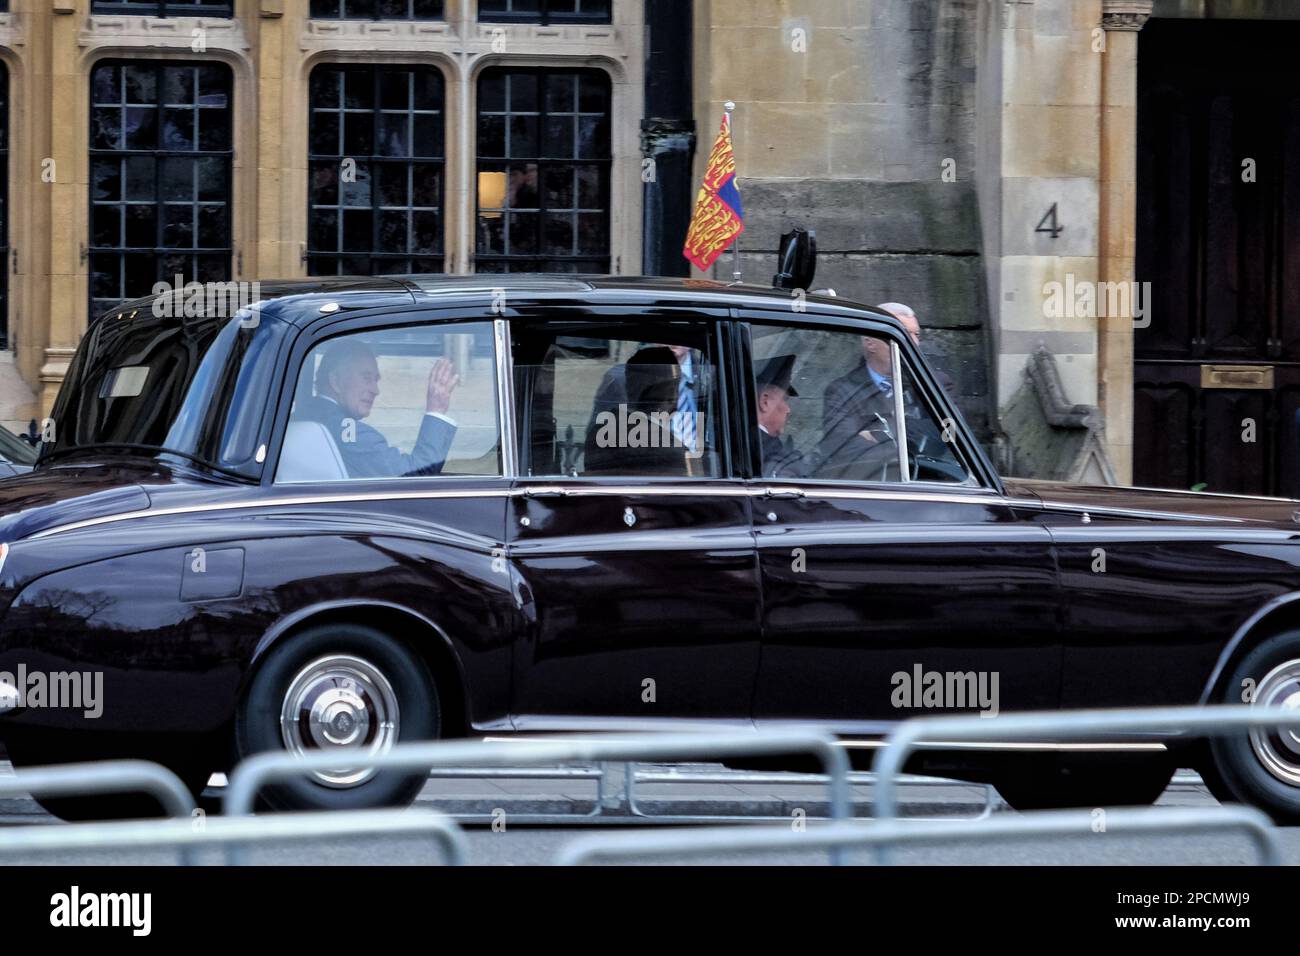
column 369, row 455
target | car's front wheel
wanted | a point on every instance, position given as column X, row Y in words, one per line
column 1262, row 767
column 345, row 689
column 192, row 760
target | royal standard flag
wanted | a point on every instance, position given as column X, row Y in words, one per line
column 718, row 217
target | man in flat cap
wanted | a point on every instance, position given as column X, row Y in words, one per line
column 774, row 387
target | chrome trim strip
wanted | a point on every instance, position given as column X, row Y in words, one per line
column 1006, row 745
column 1213, row 494
column 676, row 490
column 272, row 503
column 552, row 735
column 760, row 489
column 988, row 498
column 1136, row 512
column 756, row 490
column 505, row 399
column 900, row 420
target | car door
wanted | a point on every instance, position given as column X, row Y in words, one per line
column 631, row 543
column 893, row 585
column 415, row 473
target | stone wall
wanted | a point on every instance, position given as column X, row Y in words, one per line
column 848, row 115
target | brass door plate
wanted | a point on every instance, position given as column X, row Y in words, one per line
column 1237, row 376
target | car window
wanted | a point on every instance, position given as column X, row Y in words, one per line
column 633, row 400
column 825, row 408
column 193, row 384
column 395, row 403
column 14, row 449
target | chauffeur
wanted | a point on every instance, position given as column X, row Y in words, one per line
column 773, row 382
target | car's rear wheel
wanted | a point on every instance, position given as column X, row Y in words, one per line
column 345, row 689
column 1262, row 767
column 1088, row 783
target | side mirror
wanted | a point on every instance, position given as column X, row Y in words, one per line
column 796, row 260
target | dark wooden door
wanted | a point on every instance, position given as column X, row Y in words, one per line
column 1219, row 362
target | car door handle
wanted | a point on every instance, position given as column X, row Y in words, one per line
column 547, row 491
column 784, row 493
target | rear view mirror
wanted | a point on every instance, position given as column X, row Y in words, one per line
column 796, row 260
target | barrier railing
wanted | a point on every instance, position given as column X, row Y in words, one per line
column 471, row 757
column 232, row 832
column 617, row 800
column 893, row 833
column 989, row 803
column 102, row 777
column 933, row 732
column 256, row 772
column 108, row 776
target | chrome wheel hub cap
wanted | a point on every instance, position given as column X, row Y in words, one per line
column 1278, row 749
column 339, row 703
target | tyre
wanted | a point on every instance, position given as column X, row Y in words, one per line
column 1262, row 767
column 344, row 688
column 1103, row 782
column 193, row 761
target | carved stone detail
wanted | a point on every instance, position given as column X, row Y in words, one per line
column 1130, row 15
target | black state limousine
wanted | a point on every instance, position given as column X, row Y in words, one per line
column 361, row 511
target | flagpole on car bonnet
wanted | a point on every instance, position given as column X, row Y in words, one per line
column 736, row 277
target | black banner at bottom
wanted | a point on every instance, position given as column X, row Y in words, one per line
column 210, row 904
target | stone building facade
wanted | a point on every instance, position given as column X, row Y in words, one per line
column 958, row 155
column 979, row 159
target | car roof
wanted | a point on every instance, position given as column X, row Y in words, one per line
column 701, row 291
column 299, row 301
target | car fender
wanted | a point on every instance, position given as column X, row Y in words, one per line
column 291, row 622
column 1287, row 605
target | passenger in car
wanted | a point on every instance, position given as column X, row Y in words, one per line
column 653, row 380
column 912, row 325
column 858, row 407
column 347, row 384
column 859, row 411
column 683, row 407
column 610, row 394
column 644, row 394
column 774, row 386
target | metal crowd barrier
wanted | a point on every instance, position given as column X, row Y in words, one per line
column 749, row 778
column 616, row 800
column 254, row 773
column 882, row 834
column 100, row 777
column 230, row 832
column 477, row 758
column 106, row 776
column 933, row 732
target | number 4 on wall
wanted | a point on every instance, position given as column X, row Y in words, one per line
column 1048, row 223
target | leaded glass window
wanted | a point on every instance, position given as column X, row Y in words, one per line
column 376, row 169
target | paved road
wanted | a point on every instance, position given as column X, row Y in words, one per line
column 514, row 800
